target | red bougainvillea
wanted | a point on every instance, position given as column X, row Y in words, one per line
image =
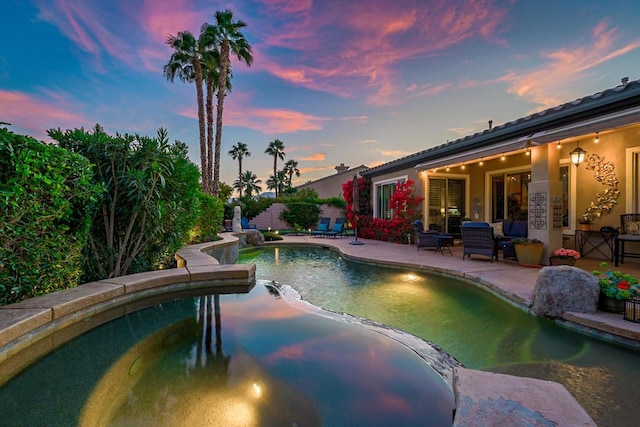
column 404, row 203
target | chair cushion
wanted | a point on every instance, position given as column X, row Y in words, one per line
column 338, row 226
column 323, row 227
column 498, row 230
column 476, row 224
column 633, row 228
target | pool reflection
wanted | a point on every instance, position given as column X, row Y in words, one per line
column 249, row 360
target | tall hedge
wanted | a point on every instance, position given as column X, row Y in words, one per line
column 47, row 197
column 149, row 199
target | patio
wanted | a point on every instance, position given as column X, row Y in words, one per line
column 508, row 280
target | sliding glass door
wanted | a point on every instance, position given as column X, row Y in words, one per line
column 446, row 204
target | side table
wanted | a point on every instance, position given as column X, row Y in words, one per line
column 602, row 242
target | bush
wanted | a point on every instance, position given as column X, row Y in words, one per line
column 149, row 201
column 47, row 197
column 211, row 210
column 250, row 207
column 301, row 214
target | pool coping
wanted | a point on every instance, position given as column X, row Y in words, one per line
column 32, row 323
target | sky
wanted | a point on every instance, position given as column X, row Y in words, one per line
column 359, row 82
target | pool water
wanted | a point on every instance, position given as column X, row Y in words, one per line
column 476, row 327
column 232, row 360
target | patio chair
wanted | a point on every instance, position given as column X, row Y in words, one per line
column 477, row 238
column 629, row 232
column 425, row 239
column 323, row 227
column 245, row 224
column 338, row 228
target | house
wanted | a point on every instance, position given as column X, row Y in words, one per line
column 331, row 186
column 551, row 168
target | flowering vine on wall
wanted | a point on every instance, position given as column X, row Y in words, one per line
column 605, row 175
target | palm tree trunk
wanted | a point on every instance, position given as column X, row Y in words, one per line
column 209, row 130
column 203, row 146
column 222, row 90
column 275, row 169
column 240, row 176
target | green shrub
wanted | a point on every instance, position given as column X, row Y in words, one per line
column 149, row 200
column 211, row 210
column 47, row 197
column 250, row 207
column 304, row 215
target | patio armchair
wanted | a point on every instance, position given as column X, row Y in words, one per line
column 477, row 239
column 425, row 239
column 629, row 232
column 245, row 224
column 323, row 227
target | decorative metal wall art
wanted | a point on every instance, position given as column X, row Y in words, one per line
column 538, row 210
column 605, row 175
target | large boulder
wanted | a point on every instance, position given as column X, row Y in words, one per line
column 564, row 288
column 254, row 237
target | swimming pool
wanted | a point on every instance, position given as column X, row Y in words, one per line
column 477, row 328
column 234, row 360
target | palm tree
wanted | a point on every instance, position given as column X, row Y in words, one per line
column 250, row 182
column 277, row 182
column 291, row 168
column 186, row 64
column 239, row 152
column 225, row 36
column 275, row 149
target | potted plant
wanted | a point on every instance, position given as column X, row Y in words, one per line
column 564, row 256
column 615, row 289
column 528, row 251
column 585, row 223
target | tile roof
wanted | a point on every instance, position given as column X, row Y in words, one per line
column 608, row 101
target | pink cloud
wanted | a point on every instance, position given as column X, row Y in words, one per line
column 315, row 157
column 273, row 121
column 547, row 85
column 362, row 45
column 85, row 24
column 36, row 116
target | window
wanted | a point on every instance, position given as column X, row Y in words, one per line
column 510, row 194
column 383, row 191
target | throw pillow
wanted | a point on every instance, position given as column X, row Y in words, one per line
column 633, row 228
column 498, row 230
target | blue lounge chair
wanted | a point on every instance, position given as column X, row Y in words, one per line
column 338, row 228
column 245, row 224
column 322, row 228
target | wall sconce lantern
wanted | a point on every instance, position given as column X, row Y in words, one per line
column 577, row 155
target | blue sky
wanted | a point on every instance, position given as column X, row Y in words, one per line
column 354, row 82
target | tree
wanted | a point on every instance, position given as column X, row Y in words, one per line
column 149, row 199
column 291, row 168
column 185, row 63
column 278, row 182
column 47, row 200
column 250, row 183
column 226, row 37
column 275, row 149
column 239, row 152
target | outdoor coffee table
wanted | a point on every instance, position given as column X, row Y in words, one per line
column 445, row 241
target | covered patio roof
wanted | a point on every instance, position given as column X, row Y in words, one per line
column 610, row 109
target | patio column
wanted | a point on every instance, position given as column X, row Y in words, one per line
column 545, row 199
